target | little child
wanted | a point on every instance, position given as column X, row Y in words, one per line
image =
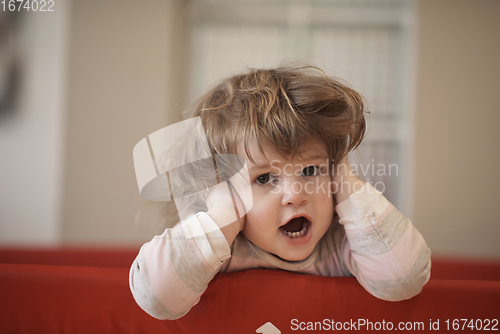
column 303, row 209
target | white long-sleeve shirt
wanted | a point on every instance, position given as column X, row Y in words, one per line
column 369, row 239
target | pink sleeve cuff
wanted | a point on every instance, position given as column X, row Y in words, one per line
column 363, row 208
column 208, row 237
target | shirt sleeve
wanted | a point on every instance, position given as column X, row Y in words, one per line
column 384, row 251
column 171, row 272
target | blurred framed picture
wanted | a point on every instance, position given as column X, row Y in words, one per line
column 9, row 63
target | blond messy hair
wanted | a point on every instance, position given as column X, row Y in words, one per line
column 280, row 108
column 283, row 108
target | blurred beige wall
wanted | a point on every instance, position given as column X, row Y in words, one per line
column 32, row 139
column 125, row 82
column 122, row 59
column 457, row 196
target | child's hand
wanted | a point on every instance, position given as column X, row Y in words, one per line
column 224, row 197
column 344, row 181
column 228, row 203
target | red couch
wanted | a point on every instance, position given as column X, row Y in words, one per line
column 86, row 291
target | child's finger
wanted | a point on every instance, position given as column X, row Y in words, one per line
column 233, row 168
column 221, row 196
column 241, row 184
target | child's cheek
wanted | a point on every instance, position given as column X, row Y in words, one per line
column 249, row 227
column 249, row 232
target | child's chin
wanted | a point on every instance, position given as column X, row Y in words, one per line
column 294, row 257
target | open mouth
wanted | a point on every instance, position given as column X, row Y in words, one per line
column 296, row 227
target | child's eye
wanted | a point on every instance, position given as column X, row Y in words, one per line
column 310, row 171
column 264, row 179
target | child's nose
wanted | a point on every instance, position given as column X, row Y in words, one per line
column 293, row 193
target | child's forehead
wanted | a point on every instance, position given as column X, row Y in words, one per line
column 311, row 150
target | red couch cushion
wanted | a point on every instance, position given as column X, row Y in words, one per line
column 442, row 267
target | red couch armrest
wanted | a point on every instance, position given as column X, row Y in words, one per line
column 52, row 299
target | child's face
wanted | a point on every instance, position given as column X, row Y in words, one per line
column 284, row 189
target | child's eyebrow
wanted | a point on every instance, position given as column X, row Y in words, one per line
column 259, row 166
column 316, row 156
column 265, row 165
